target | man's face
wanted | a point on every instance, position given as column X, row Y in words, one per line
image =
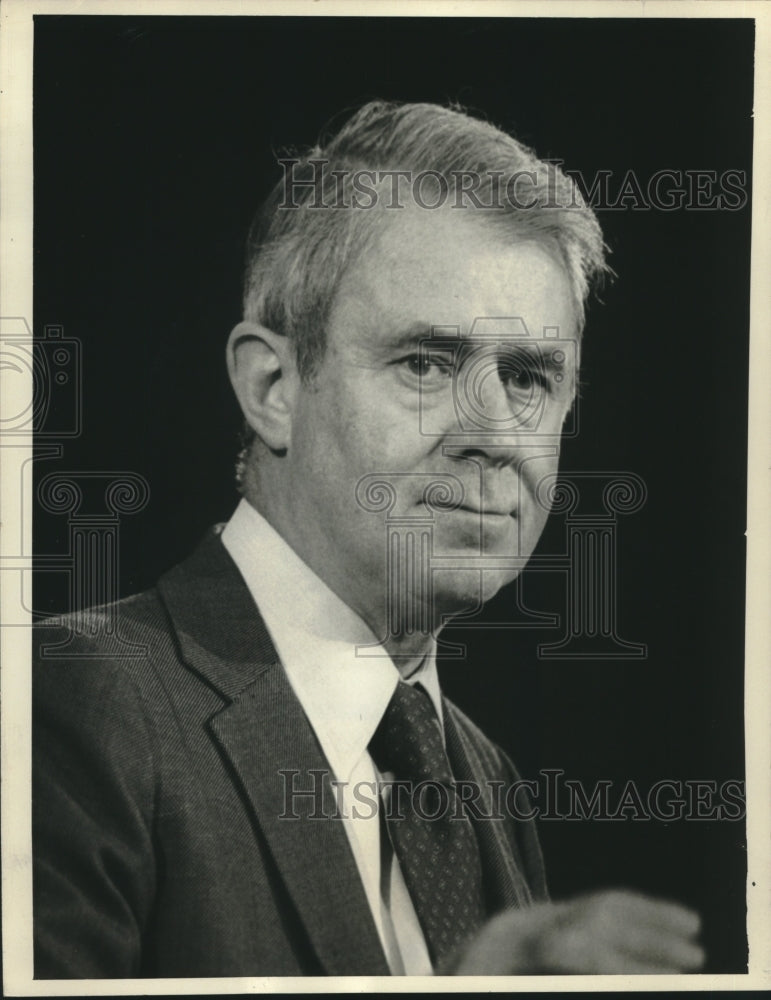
column 483, row 420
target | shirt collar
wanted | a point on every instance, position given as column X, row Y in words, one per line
column 342, row 676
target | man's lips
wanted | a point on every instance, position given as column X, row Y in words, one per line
column 485, row 511
column 496, row 508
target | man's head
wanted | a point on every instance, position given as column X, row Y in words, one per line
column 299, row 250
column 341, row 373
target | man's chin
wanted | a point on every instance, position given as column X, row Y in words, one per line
column 458, row 592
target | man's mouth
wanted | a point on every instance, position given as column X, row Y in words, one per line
column 485, row 511
column 494, row 509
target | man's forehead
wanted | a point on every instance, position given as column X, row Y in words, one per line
column 426, row 271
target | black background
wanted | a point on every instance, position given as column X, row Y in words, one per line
column 153, row 145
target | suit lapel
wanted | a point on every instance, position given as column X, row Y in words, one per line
column 272, row 749
column 275, row 755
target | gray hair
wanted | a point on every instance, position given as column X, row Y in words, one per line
column 314, row 223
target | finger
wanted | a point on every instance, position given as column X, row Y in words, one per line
column 625, row 965
column 656, row 947
column 668, row 916
column 603, row 958
column 612, row 933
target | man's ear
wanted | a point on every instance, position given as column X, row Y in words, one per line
column 264, row 376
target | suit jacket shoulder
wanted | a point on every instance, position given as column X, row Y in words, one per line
column 164, row 731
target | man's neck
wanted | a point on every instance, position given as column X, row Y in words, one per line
column 407, row 649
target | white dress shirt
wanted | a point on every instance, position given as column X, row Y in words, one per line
column 344, row 693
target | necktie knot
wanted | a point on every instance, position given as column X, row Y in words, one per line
column 408, row 742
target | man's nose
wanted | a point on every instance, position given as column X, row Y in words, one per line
column 494, row 421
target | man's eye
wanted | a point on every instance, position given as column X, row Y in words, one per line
column 525, row 377
column 425, row 366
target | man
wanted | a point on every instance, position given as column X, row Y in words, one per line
column 258, row 774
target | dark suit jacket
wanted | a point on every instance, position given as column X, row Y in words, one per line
column 159, row 847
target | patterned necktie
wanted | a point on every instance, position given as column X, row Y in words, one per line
column 432, row 836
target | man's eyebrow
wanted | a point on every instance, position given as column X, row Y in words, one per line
column 412, row 336
column 424, row 334
column 549, row 355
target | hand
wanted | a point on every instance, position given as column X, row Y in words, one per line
column 613, row 932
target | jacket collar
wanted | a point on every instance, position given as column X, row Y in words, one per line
column 266, row 737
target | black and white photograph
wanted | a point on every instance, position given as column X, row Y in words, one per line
column 386, row 588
